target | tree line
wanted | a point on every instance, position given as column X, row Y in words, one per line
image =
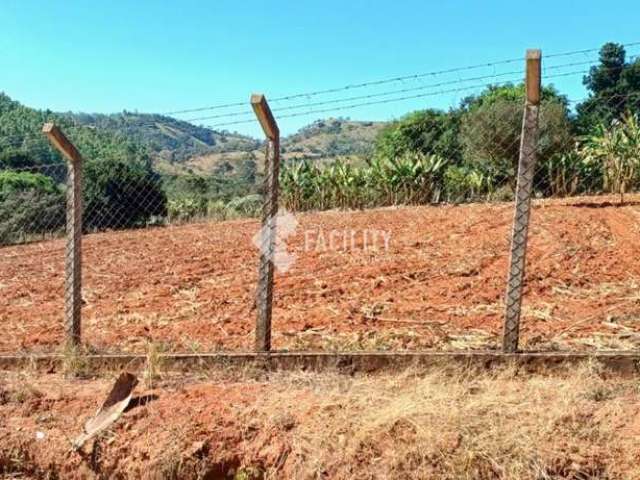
column 470, row 153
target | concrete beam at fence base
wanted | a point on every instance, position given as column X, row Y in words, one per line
column 621, row 362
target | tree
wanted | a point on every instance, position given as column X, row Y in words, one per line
column 14, row 158
column 614, row 87
column 120, row 194
column 427, row 132
column 492, row 123
column 247, row 169
column 30, row 203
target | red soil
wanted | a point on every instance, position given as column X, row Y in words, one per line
column 437, row 425
column 440, row 284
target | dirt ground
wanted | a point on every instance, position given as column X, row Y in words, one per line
column 438, row 284
column 446, row 424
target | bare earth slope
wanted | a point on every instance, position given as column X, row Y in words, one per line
column 438, row 285
column 433, row 425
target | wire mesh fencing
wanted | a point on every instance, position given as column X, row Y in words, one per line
column 422, row 259
column 584, row 278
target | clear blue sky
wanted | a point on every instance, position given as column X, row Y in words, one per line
column 154, row 56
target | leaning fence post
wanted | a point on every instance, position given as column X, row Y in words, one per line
column 526, row 171
column 73, row 259
column 264, row 296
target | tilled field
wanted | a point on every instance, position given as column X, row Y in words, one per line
column 437, row 284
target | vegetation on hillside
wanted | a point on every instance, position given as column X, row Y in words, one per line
column 332, row 138
column 166, row 139
column 470, row 153
column 35, row 173
column 122, row 187
column 30, row 204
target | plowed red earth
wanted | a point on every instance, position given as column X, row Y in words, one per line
column 440, row 283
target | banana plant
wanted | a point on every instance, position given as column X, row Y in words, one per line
column 618, row 150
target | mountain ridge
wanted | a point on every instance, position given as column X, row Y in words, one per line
column 176, row 146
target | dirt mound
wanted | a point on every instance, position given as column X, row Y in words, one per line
column 437, row 284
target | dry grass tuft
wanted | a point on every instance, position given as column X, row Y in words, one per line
column 74, row 362
column 155, row 364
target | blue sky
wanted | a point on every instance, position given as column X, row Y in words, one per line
column 156, row 56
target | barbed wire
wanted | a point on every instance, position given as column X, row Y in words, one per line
column 359, row 97
column 392, row 100
column 593, row 63
column 362, row 104
column 388, row 80
column 589, row 50
column 387, row 93
column 613, row 96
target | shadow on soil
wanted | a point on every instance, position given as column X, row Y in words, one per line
column 140, row 401
column 603, row 204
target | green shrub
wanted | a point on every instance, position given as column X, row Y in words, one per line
column 429, row 132
column 413, row 178
column 247, row 206
column 30, row 204
column 617, row 151
column 12, row 182
column 121, row 194
column 186, row 208
column 217, row 210
column 466, row 184
column 568, row 174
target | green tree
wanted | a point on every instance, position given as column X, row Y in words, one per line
column 120, row 194
column 614, row 87
column 427, row 132
column 491, row 126
column 247, row 169
column 12, row 157
column 30, row 203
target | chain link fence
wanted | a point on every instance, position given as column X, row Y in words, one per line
column 421, row 260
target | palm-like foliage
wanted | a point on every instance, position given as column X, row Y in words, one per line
column 568, row 174
column 617, row 149
column 409, row 179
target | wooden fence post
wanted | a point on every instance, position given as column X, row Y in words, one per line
column 526, row 172
column 73, row 260
column 264, row 297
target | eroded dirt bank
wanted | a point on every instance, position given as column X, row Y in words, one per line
column 446, row 424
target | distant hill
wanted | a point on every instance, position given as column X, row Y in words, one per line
column 332, row 138
column 22, row 144
column 171, row 142
column 322, row 141
column 175, row 146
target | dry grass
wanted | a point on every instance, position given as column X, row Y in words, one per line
column 74, row 363
column 455, row 425
column 411, row 336
column 154, row 367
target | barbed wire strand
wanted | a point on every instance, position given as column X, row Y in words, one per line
column 388, row 80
